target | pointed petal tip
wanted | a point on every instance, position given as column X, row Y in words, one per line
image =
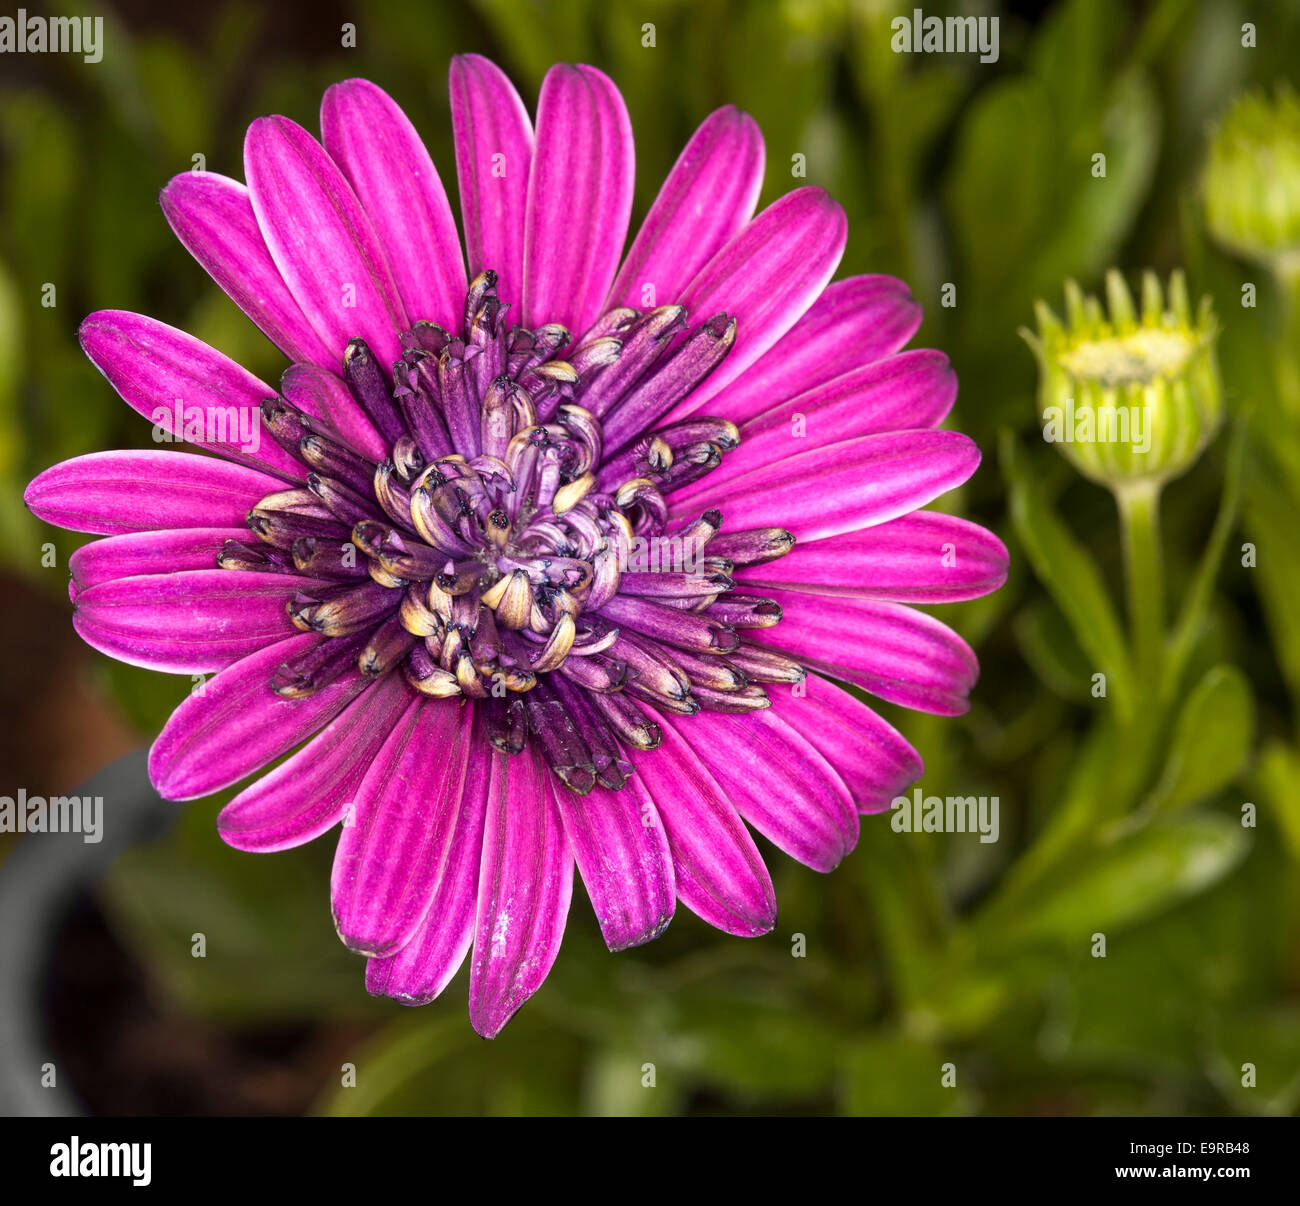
column 625, row 942
column 490, row 1019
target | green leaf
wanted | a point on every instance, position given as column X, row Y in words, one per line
column 1195, row 963
column 1196, row 601
column 183, row 113
column 1071, row 824
column 1271, row 515
column 1061, row 219
column 1068, row 572
column 38, row 190
column 1133, row 877
column 775, row 73
column 1212, row 740
column 1009, row 123
column 1279, row 776
column 1071, row 54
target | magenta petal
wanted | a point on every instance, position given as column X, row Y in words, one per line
column 870, row 480
column 418, row 971
column 237, row 724
column 622, row 854
column 309, row 792
column 393, row 848
column 139, row 553
column 910, row 391
column 525, row 885
column 891, row 650
column 719, row 872
column 494, row 151
column 907, row 391
column 321, row 239
column 324, row 395
column 708, row 197
column 186, row 389
column 579, row 198
column 200, row 621
column 213, row 217
column 925, row 557
column 853, row 323
column 767, row 277
column 777, row 781
column 871, row 756
column 388, row 166
column 108, row 493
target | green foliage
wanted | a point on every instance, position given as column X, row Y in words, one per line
column 1071, row 576
column 1212, row 741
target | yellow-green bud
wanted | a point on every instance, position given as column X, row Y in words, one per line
column 1128, row 394
column 1252, row 178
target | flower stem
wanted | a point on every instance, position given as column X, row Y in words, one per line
column 1139, row 511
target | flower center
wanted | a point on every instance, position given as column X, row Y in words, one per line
column 514, row 546
column 1136, row 359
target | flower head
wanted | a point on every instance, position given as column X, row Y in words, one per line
column 529, row 562
column 1128, row 393
column 1252, row 179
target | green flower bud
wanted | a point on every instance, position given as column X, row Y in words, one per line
column 1252, row 178
column 1129, row 395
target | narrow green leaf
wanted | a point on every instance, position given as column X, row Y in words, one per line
column 1134, row 877
column 1279, row 777
column 1212, row 740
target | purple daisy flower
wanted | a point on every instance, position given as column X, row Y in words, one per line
column 529, row 564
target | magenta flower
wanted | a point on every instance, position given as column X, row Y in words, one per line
column 546, row 592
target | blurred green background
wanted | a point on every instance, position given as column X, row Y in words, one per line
column 921, row 950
